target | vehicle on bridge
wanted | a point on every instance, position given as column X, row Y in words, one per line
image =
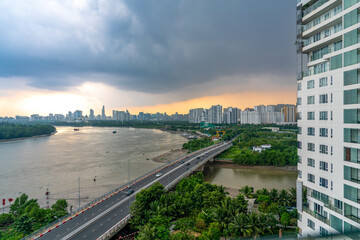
column 129, row 192
column 159, row 174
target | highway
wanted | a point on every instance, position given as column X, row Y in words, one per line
column 94, row 222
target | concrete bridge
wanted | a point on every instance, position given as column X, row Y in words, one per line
column 107, row 215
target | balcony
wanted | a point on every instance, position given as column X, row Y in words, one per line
column 324, row 34
column 315, row 214
column 314, row 6
column 311, row 72
column 332, row 207
column 322, row 18
column 352, row 217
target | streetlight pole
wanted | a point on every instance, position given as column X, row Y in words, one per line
column 168, row 172
column 79, row 191
column 128, row 170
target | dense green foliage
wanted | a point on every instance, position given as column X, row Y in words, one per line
column 196, row 210
column 26, row 216
column 197, row 144
column 9, row 131
column 275, row 202
column 283, row 151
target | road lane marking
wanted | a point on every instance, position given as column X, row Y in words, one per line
column 124, row 200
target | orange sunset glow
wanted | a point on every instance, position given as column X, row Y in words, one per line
column 239, row 100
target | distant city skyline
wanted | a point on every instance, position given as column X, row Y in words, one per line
column 217, row 114
column 110, row 112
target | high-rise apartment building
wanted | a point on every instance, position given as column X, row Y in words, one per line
column 328, row 77
column 195, row 115
column 215, row 114
column 289, row 113
column 230, row 115
column 260, row 108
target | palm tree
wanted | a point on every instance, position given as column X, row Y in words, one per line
column 263, row 191
column 254, row 225
column 239, row 226
column 222, row 190
column 274, row 195
column 247, row 191
column 264, row 222
column 155, row 207
column 185, row 206
column 292, row 196
column 284, row 198
column 220, row 216
column 147, row 233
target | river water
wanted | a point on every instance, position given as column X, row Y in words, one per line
column 256, row 178
column 56, row 162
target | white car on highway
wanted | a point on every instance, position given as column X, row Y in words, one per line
column 159, row 174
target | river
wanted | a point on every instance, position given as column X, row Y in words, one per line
column 56, row 162
column 256, row 178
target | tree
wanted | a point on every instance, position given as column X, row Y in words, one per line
column 274, row 195
column 184, row 224
column 285, row 219
column 60, row 206
column 247, row 191
column 148, row 232
column 10, row 131
column 139, row 209
column 23, row 225
column 213, row 233
column 241, row 203
column 284, row 198
column 254, row 225
column 292, row 197
column 219, row 216
column 17, row 206
column 263, row 198
column 5, row 220
column 239, row 227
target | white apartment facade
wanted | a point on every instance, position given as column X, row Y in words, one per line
column 196, row 115
column 215, row 114
column 230, row 115
column 328, row 77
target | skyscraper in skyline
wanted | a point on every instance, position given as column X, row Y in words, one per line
column 103, row 114
column 328, row 77
column 91, row 115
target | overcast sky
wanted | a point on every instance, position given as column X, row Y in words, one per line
column 59, row 55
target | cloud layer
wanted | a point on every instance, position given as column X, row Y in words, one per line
column 149, row 46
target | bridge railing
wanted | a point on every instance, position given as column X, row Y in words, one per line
column 116, row 228
column 78, row 211
column 187, row 173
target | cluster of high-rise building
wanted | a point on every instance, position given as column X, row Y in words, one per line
column 215, row 115
column 328, row 77
column 281, row 113
column 116, row 115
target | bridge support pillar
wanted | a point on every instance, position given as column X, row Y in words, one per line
column 211, row 160
column 200, row 169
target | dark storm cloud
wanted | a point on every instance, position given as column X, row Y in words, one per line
column 153, row 46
